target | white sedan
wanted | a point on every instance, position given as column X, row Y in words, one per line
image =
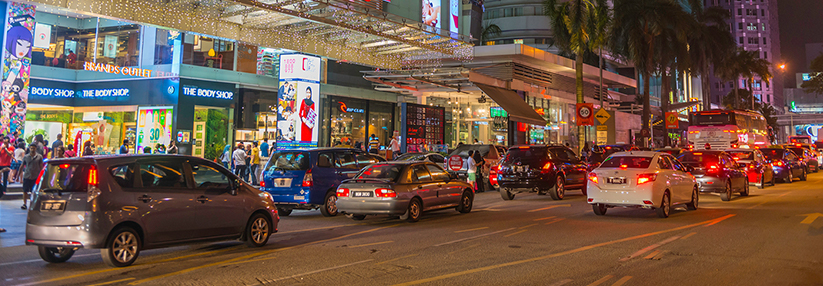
column 650, row 180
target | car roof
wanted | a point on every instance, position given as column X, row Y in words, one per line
column 636, row 154
column 740, row 150
column 715, row 152
column 537, row 146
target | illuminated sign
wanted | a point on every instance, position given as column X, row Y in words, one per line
column 52, row 92
column 298, row 101
column 807, row 77
column 210, row 93
column 105, row 92
column 114, row 69
column 346, row 109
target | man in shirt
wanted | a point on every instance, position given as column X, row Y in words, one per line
column 374, row 144
column 255, row 162
column 33, row 163
column 264, row 148
column 239, row 158
column 124, row 149
column 6, row 154
column 56, row 144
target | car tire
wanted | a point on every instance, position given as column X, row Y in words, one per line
column 559, row 190
column 466, row 202
column 122, row 247
column 284, row 211
column 803, row 177
column 599, row 209
column 585, row 188
column 414, row 211
column 258, row 230
column 329, row 207
column 506, row 194
column 692, row 205
column 762, row 181
column 55, row 254
column 726, row 195
column 665, row 206
column 357, row 217
column 745, row 191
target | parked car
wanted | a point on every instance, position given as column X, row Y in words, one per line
column 644, row 179
column 307, row 179
column 543, row 169
column 404, row 189
column 125, row 204
column 716, row 172
column 758, row 169
column 431, row 157
column 806, row 154
column 490, row 153
column 785, row 163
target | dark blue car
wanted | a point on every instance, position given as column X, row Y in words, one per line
column 308, row 179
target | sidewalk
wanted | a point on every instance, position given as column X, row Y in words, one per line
column 13, row 219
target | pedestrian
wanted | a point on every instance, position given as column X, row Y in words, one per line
column 226, row 157
column 70, row 151
column 471, row 169
column 255, row 162
column 87, row 149
column 33, row 163
column 172, row 148
column 394, row 145
column 6, row 155
column 264, row 148
column 239, row 160
column 60, row 152
column 14, row 137
column 477, row 141
column 16, row 162
column 374, row 144
column 57, row 143
column 247, row 172
column 358, row 145
column 124, row 149
column 480, row 163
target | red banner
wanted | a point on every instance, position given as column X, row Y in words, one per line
column 585, row 114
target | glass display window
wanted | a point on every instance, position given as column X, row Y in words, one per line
column 348, row 122
column 380, row 122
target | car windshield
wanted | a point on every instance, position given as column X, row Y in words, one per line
column 381, row 171
column 66, row 177
column 772, row 154
column 526, row 155
column 411, row 157
column 463, row 151
column 699, row 158
column 634, row 162
column 798, row 151
column 742, row 155
column 289, row 161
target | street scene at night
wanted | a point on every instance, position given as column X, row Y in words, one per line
column 411, row 142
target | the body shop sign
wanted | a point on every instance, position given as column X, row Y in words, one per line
column 154, row 126
column 208, row 93
column 298, row 102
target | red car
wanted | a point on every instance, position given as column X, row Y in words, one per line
column 758, row 169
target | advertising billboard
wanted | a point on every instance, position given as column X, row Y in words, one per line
column 454, row 11
column 154, row 126
column 431, row 13
column 298, row 102
column 16, row 66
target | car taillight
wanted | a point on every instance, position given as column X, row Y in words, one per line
column 623, row 167
column 93, row 176
column 645, row 178
column 777, row 163
column 262, row 183
column 546, row 168
column 385, row 193
column 40, row 177
column 593, row 177
column 342, row 192
column 93, row 191
column 712, row 169
column 307, row 179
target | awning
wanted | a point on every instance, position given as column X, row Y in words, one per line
column 518, row 109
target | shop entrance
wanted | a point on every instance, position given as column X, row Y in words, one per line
column 211, row 130
column 104, row 127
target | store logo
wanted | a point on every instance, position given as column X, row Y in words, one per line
column 106, row 92
column 210, row 93
column 308, row 65
column 51, row 92
column 346, row 109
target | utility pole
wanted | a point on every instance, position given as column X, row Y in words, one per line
column 601, row 77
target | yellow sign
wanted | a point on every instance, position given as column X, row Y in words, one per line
column 602, row 116
column 602, row 128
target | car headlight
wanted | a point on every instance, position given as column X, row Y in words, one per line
column 267, row 196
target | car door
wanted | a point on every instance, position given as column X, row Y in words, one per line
column 574, row 168
column 736, row 174
column 423, row 185
column 666, row 172
column 794, row 162
column 220, row 211
column 686, row 182
column 446, row 193
column 166, row 204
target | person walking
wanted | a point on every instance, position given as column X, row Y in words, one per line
column 264, row 148
column 57, row 143
column 480, row 163
column 255, row 163
column 17, row 160
column 124, row 149
column 41, row 147
column 395, row 146
column 6, row 155
column 70, row 151
column 33, row 163
column 374, row 144
column 247, row 172
column 172, row 148
column 226, row 157
column 471, row 169
column 239, row 160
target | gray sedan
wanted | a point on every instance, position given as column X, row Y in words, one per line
column 404, row 189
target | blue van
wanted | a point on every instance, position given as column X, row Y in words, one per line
column 308, row 179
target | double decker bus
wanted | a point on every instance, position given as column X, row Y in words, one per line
column 723, row 129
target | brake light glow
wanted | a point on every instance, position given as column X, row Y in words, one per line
column 547, row 166
column 93, row 176
column 593, row 177
column 308, row 181
column 385, row 193
column 262, row 183
column 39, row 177
column 645, row 178
column 736, row 158
column 777, row 163
column 697, row 153
column 707, row 146
column 523, row 147
column 623, row 167
column 64, row 166
column 608, row 147
column 648, row 202
column 342, row 192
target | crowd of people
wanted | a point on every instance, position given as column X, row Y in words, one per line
column 244, row 160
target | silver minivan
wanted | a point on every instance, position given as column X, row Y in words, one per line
column 127, row 203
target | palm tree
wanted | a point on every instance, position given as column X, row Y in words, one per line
column 746, row 64
column 709, row 42
column 636, row 27
column 489, row 31
column 758, row 67
column 672, row 56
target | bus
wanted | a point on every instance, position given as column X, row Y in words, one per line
column 724, row 129
column 803, row 139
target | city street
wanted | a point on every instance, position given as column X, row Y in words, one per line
column 767, row 238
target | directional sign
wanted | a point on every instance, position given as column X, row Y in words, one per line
column 602, row 116
column 810, row 218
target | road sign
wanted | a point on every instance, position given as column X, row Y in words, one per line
column 455, row 163
column 585, row 112
column 602, row 128
column 672, row 122
column 602, row 116
column 645, row 133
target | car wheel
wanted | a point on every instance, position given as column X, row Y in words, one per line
column 55, row 254
column 466, row 202
column 330, row 205
column 414, row 211
column 599, row 209
column 762, row 181
column 122, row 248
column 258, row 231
column 506, row 194
column 559, row 190
column 803, row 176
column 665, row 206
column 726, row 195
column 745, row 191
column 585, row 189
column 695, row 199
column 357, row 217
column 284, row 211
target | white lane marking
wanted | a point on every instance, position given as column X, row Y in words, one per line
column 317, row 271
column 473, row 237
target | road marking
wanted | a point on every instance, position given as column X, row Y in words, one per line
column 545, row 218
column 319, row 228
column 716, row 221
column 489, row 209
column 395, row 259
column 651, row 255
column 810, row 218
column 622, row 281
column 528, row 226
column 471, row 229
column 317, row 271
column 554, row 221
column 688, row 235
column 112, row 282
column 248, row 257
column 601, row 280
column 510, row 234
column 464, row 248
column 549, row 207
column 649, row 248
column 41, row 260
column 766, row 201
column 561, row 282
column 567, row 252
column 473, row 237
column 370, row 244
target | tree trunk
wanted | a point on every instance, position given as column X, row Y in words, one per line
column 665, row 88
column 751, row 90
column 707, row 96
column 581, row 130
column 736, row 96
column 647, row 109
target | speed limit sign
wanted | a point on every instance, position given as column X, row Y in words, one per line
column 584, row 114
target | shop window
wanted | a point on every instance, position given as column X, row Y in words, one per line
column 348, row 122
column 164, row 46
column 118, row 43
column 70, row 42
column 380, row 122
column 208, row 52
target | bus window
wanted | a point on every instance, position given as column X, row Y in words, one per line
column 712, row 118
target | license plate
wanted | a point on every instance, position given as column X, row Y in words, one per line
column 52, row 205
column 282, row 183
column 362, row 194
column 616, row 180
column 299, row 198
column 522, row 168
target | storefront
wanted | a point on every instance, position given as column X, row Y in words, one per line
column 352, row 122
column 423, row 128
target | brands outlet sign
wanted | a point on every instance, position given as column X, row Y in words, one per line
column 83, row 93
column 209, row 93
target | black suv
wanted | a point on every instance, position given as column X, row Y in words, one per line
column 541, row 169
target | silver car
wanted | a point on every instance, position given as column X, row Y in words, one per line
column 124, row 204
column 404, row 189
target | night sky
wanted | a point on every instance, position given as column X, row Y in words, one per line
column 801, row 22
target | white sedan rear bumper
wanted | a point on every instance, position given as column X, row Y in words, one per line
column 622, row 197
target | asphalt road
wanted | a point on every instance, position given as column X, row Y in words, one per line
column 763, row 239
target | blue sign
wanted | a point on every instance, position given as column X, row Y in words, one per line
column 83, row 93
column 106, row 92
column 210, row 93
column 52, row 92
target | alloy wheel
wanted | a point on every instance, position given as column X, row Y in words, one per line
column 124, row 247
column 259, row 230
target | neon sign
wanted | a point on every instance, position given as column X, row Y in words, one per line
column 346, row 109
column 106, row 92
column 114, row 69
column 210, row 93
column 52, row 92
